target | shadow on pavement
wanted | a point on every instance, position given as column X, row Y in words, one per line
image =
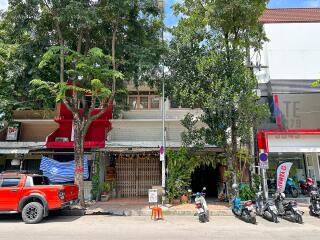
column 54, row 216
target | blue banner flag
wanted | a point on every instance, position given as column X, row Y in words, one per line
column 59, row 172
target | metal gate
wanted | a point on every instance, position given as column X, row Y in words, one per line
column 136, row 174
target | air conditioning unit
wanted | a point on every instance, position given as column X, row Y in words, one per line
column 62, row 139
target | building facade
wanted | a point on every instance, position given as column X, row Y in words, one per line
column 286, row 69
column 130, row 159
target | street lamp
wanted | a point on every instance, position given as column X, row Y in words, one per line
column 163, row 147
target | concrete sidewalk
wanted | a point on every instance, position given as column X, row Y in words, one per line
column 140, row 207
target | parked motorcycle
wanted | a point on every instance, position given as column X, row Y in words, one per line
column 306, row 186
column 291, row 188
column 314, row 208
column 287, row 210
column 201, row 206
column 242, row 209
column 268, row 210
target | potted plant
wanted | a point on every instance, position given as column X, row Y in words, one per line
column 175, row 201
column 105, row 189
column 185, row 198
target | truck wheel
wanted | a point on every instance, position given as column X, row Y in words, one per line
column 32, row 213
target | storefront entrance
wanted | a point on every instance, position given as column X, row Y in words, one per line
column 136, row 173
column 206, row 176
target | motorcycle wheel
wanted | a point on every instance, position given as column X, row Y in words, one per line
column 207, row 217
column 202, row 218
column 253, row 218
column 234, row 212
column 299, row 219
column 311, row 213
column 294, row 192
column 274, row 217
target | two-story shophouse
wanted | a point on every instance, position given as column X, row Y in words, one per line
column 286, row 69
column 130, row 158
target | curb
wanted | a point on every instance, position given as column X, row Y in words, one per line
column 73, row 212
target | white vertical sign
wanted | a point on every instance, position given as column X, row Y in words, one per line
column 282, row 175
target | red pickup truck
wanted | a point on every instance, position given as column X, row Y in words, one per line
column 33, row 196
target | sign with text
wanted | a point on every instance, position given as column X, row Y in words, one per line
column 263, row 160
column 13, row 132
column 282, row 175
column 153, row 195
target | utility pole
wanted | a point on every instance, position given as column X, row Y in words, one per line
column 163, row 147
column 261, row 170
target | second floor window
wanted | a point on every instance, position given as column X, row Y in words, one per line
column 143, row 102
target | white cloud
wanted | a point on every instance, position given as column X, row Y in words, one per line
column 3, row 4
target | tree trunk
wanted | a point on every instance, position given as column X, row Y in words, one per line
column 79, row 156
column 234, row 148
column 114, row 39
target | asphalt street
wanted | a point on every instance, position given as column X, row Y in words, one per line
column 173, row 227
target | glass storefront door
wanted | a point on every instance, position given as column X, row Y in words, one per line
column 298, row 169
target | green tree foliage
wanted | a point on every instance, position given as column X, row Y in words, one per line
column 81, row 25
column 8, row 67
column 181, row 164
column 88, row 42
column 208, row 68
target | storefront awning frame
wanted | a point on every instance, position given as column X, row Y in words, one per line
column 265, row 136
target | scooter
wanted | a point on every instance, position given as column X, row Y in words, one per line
column 314, row 208
column 242, row 209
column 288, row 210
column 268, row 211
column 306, row 186
column 291, row 188
column 201, row 206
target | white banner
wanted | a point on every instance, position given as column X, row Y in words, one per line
column 153, row 195
column 282, row 175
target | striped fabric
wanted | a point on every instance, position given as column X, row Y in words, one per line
column 60, row 172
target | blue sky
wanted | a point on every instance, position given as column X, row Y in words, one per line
column 171, row 20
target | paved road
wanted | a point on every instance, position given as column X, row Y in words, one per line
column 174, row 227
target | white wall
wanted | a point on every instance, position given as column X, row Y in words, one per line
column 293, row 52
column 293, row 143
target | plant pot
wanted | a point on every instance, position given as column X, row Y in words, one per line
column 105, row 197
column 176, row 201
column 184, row 199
